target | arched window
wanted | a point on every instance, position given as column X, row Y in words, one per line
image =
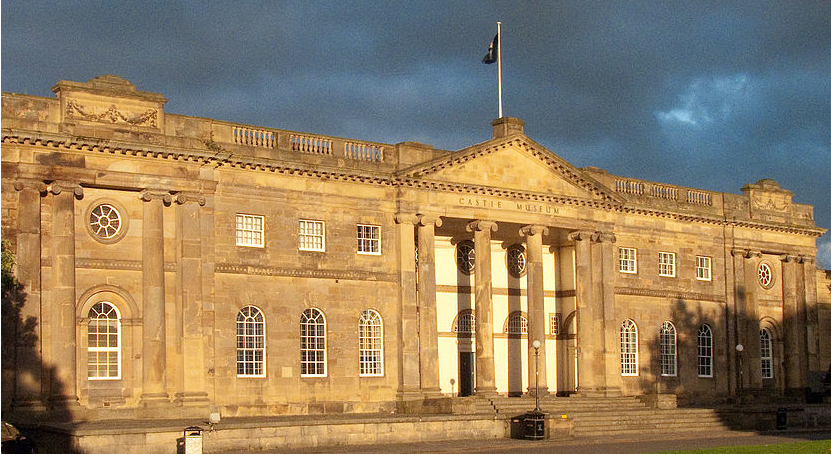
column 766, row 352
column 465, row 323
column 312, row 344
column 371, row 344
column 628, row 348
column 669, row 356
column 517, row 324
column 104, row 342
column 705, row 351
column 250, row 342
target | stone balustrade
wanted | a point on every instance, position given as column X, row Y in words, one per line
column 255, row 137
column 661, row 191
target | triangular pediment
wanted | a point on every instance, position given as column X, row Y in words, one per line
column 514, row 163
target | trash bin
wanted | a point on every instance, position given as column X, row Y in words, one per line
column 193, row 440
column 534, row 425
column 518, row 427
column 781, row 418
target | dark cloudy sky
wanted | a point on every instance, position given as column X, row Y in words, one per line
column 708, row 94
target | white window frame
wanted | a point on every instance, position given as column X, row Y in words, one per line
column 305, row 236
column 251, row 345
column 371, row 344
column 307, row 323
column 628, row 260
column 366, row 242
column 705, row 351
column 766, row 353
column 469, row 325
column 666, row 264
column 669, row 350
column 703, row 268
column 516, row 320
column 247, row 232
column 554, row 323
column 629, row 348
column 97, row 350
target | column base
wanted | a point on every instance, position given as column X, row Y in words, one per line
column 543, row 391
column 28, row 405
column 190, row 398
column 489, row 391
column 154, row 399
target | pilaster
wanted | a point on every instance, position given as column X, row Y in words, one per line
column 809, row 272
column 63, row 384
column 190, row 384
column 608, row 322
column 483, row 285
column 587, row 342
column 794, row 376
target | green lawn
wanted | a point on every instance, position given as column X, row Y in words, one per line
column 804, row 447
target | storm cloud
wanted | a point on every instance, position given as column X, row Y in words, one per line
column 708, row 94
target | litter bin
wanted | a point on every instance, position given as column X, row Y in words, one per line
column 781, row 418
column 534, row 425
column 193, row 440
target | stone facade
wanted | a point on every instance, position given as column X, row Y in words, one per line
column 411, row 274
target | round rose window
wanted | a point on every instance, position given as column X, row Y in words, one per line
column 105, row 221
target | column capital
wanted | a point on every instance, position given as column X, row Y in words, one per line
column 746, row 253
column 154, row 194
column 480, row 225
column 807, row 259
column 429, row 218
column 580, row 235
column 602, row 237
column 27, row 183
column 406, row 218
column 531, row 230
column 787, row 258
column 56, row 187
column 186, row 197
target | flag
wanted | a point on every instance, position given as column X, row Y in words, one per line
column 493, row 51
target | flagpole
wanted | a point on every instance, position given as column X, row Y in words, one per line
column 499, row 63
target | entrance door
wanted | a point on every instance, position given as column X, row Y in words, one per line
column 465, row 373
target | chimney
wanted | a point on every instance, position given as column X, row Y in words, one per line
column 505, row 126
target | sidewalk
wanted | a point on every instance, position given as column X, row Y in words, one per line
column 599, row 445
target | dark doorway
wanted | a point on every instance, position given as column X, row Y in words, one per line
column 465, row 373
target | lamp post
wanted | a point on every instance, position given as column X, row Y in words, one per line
column 536, row 344
column 739, row 350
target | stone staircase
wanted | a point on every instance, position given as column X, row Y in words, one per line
column 610, row 416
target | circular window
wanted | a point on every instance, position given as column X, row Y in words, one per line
column 105, row 222
column 516, row 260
column 765, row 275
column 465, row 257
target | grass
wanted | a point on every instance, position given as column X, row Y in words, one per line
column 804, row 447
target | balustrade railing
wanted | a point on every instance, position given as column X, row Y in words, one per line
column 255, row 137
column 311, row 144
column 699, row 198
column 363, row 151
column 664, row 192
column 629, row 187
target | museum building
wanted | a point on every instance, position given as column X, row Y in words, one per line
column 174, row 264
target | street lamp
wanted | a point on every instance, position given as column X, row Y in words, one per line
column 536, row 344
column 739, row 350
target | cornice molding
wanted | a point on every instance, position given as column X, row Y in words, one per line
column 658, row 293
column 233, row 268
column 54, row 141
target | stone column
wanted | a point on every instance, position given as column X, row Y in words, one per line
column 408, row 365
column 63, row 352
column 735, row 307
column 752, row 361
column 28, row 352
column 536, row 305
column 427, row 324
column 191, row 382
column 485, row 371
column 153, row 343
column 587, row 344
column 794, row 378
column 607, row 318
column 809, row 273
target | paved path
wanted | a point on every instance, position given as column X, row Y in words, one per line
column 623, row 445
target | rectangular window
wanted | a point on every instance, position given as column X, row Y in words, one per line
column 312, row 236
column 250, row 230
column 666, row 264
column 703, row 268
column 369, row 239
column 628, row 260
column 555, row 323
